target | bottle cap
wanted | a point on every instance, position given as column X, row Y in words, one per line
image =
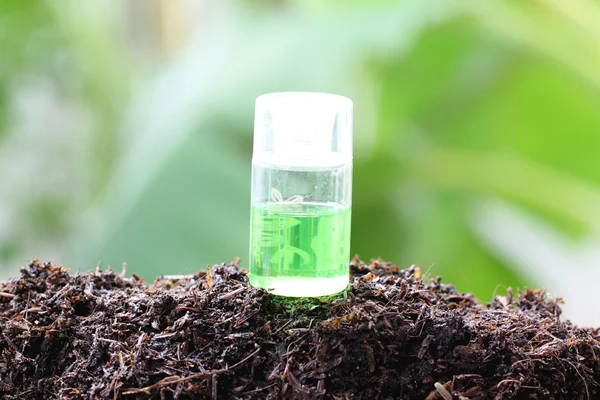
column 300, row 129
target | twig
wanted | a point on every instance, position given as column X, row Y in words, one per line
column 442, row 391
column 424, row 346
column 178, row 277
column 139, row 348
column 176, row 379
column 11, row 344
column 208, row 278
column 7, row 295
column 587, row 391
column 232, row 294
column 260, row 389
column 123, row 271
column 282, row 326
column 30, row 310
column 214, row 387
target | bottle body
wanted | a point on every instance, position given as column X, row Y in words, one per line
column 301, row 194
column 300, row 228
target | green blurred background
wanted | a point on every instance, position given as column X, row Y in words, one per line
column 126, row 132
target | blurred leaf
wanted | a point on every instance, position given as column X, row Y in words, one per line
column 542, row 26
column 194, row 209
column 566, row 267
column 410, row 218
column 190, row 93
column 519, row 179
column 29, row 42
column 46, row 215
column 93, row 33
column 480, row 94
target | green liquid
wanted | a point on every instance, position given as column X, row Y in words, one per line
column 300, row 249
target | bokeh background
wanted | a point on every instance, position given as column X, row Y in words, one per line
column 126, row 132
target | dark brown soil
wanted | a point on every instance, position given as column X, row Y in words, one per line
column 209, row 335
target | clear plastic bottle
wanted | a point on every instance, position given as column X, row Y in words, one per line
column 301, row 194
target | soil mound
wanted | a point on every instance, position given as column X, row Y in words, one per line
column 209, row 335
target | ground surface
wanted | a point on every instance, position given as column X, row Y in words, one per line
column 209, row 335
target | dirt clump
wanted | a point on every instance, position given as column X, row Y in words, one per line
column 390, row 335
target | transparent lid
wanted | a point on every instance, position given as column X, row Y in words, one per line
column 303, row 129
